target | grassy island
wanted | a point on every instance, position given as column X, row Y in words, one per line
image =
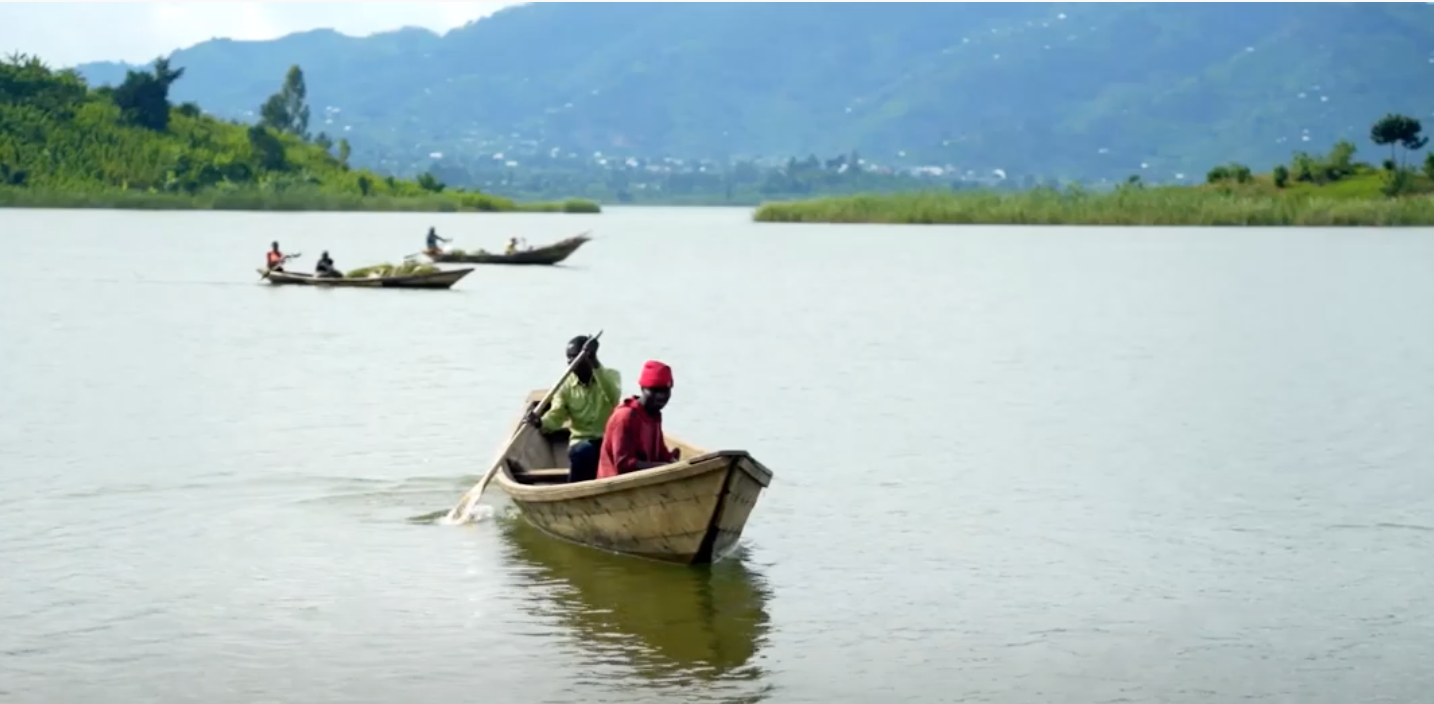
column 65, row 145
column 1328, row 190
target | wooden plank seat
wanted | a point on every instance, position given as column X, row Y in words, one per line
column 557, row 475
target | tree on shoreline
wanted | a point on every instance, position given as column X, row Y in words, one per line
column 143, row 98
column 288, row 110
column 1396, row 131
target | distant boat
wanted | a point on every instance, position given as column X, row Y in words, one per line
column 689, row 512
column 430, row 280
column 546, row 255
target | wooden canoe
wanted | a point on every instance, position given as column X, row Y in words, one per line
column 667, row 623
column 690, row 512
column 546, row 255
column 432, row 280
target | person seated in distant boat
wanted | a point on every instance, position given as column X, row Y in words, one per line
column 325, row 268
column 633, row 438
column 512, row 246
column 584, row 402
column 433, row 240
column 274, row 259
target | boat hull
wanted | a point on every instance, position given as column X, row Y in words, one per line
column 436, row 280
column 542, row 256
column 689, row 512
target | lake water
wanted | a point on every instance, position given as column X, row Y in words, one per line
column 1012, row 464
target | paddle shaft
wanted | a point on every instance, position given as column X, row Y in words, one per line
column 465, row 505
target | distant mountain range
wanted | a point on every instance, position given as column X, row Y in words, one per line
column 1090, row 90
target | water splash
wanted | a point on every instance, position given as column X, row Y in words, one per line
column 440, row 518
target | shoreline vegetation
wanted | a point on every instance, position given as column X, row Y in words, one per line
column 66, row 145
column 1331, row 190
column 296, row 200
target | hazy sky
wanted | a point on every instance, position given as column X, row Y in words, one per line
column 67, row 33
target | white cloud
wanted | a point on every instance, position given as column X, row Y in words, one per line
column 67, row 33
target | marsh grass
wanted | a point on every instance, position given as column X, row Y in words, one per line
column 1357, row 202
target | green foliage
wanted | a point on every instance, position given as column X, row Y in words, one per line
column 1429, row 166
column 1395, row 130
column 288, row 110
column 1281, row 176
column 29, row 81
column 267, row 149
column 12, row 177
column 143, row 98
column 427, row 182
column 1337, row 164
column 1234, row 171
column 62, row 145
column 407, row 268
column 579, row 205
column 1397, row 182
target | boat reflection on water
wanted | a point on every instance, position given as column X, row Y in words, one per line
column 670, row 624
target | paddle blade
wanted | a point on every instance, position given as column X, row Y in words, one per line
column 465, row 513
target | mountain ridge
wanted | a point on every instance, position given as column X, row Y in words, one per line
column 1051, row 89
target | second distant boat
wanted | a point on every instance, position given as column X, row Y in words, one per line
column 547, row 255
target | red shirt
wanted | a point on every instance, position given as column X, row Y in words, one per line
column 632, row 435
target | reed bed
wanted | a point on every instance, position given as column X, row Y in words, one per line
column 1164, row 206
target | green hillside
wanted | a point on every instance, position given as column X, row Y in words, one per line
column 1068, row 90
column 63, row 144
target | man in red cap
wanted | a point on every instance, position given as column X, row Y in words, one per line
column 633, row 437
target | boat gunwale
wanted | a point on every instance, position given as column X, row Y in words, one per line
column 703, row 463
column 708, row 463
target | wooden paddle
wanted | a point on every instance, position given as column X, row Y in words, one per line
column 464, row 510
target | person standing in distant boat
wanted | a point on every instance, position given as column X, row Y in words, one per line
column 583, row 402
column 433, row 240
column 275, row 259
column 512, row 246
column 633, row 439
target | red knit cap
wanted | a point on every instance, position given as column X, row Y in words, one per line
column 655, row 375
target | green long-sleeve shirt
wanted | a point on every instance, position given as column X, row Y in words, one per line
column 585, row 408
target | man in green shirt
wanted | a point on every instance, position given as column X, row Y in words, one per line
column 583, row 403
